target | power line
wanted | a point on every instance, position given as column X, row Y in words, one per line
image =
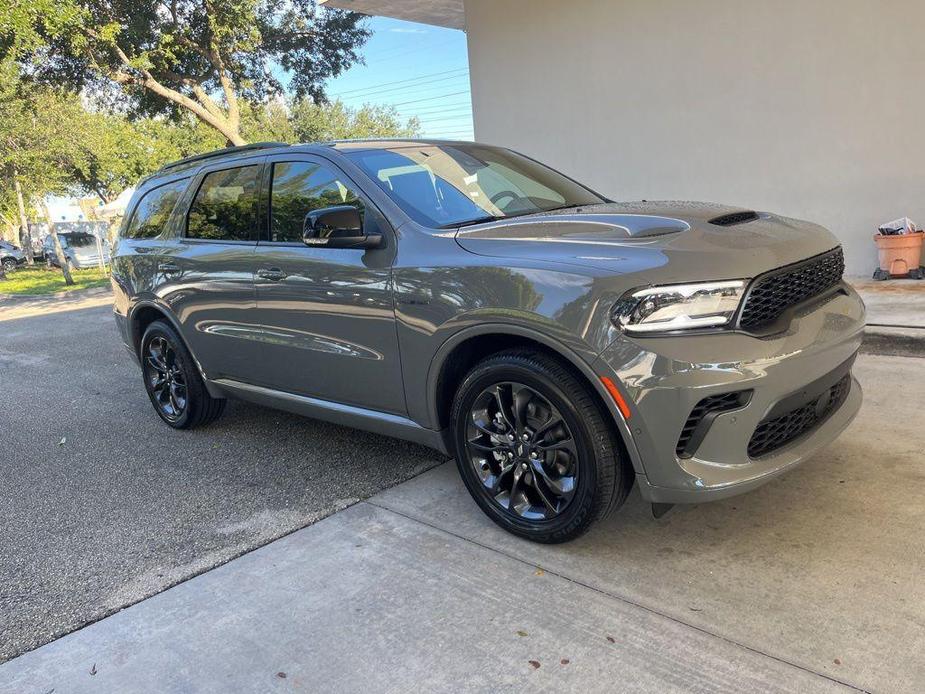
column 438, row 109
column 410, row 90
column 431, row 98
column 401, row 55
column 410, row 79
column 425, row 121
column 436, row 114
column 393, row 49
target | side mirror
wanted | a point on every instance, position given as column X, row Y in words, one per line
column 337, row 227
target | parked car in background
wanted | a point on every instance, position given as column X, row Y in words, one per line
column 10, row 255
column 81, row 250
column 560, row 345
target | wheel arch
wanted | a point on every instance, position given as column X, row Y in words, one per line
column 463, row 350
column 146, row 312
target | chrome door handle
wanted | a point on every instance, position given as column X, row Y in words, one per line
column 169, row 267
column 274, row 274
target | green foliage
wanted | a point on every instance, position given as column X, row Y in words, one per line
column 313, row 122
column 306, row 121
column 163, row 57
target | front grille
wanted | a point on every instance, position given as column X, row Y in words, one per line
column 772, row 434
column 772, row 294
column 701, row 417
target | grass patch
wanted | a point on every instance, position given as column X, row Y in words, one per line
column 40, row 280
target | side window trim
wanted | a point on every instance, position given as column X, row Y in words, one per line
column 267, row 195
column 182, row 223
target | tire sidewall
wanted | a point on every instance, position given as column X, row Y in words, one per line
column 160, row 329
column 581, row 504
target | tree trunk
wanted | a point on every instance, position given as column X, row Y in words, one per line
column 59, row 251
column 25, row 238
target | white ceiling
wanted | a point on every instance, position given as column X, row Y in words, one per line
column 444, row 13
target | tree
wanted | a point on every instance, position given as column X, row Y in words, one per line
column 313, row 122
column 302, row 120
column 111, row 152
column 169, row 56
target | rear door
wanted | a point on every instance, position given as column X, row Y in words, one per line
column 327, row 313
column 206, row 275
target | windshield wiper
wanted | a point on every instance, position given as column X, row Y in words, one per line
column 470, row 222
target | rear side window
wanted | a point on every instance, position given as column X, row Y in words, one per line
column 153, row 210
column 225, row 206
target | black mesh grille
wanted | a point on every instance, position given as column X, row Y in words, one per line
column 773, row 294
column 713, row 404
column 733, row 218
column 771, row 434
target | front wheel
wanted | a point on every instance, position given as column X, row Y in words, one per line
column 173, row 382
column 534, row 448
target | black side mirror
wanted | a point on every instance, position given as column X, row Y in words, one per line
column 337, row 227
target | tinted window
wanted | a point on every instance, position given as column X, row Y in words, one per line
column 225, row 206
column 302, row 187
column 153, row 210
column 447, row 185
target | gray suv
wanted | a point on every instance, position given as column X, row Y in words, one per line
column 560, row 345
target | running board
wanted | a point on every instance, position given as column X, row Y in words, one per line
column 335, row 412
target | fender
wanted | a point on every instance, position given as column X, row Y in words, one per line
column 439, row 359
column 161, row 308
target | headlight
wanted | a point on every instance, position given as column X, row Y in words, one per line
column 678, row 307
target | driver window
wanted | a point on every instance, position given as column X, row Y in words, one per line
column 300, row 187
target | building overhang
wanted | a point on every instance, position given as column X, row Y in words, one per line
column 442, row 13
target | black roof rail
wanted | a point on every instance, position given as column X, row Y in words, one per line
column 220, row 153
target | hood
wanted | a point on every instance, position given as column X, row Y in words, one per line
column 686, row 241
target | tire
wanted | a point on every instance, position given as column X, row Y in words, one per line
column 173, row 382
column 534, row 389
column 9, row 264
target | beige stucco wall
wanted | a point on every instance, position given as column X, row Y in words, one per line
column 811, row 108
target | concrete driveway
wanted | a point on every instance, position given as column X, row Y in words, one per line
column 812, row 583
column 102, row 505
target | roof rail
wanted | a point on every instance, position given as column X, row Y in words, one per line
column 219, row 153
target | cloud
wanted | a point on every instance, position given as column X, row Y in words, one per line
column 398, row 30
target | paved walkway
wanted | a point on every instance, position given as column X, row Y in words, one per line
column 811, row 583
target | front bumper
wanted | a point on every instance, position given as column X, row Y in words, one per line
column 666, row 377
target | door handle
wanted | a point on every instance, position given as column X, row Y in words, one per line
column 169, row 267
column 274, row 274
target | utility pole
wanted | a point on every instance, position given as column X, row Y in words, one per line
column 25, row 238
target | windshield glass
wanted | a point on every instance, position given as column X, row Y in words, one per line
column 77, row 240
column 450, row 185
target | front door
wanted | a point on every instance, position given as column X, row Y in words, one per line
column 326, row 314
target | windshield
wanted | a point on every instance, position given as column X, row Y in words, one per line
column 77, row 240
column 451, row 185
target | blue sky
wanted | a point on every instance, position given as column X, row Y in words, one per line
column 422, row 70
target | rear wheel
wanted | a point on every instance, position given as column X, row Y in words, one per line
column 534, row 448
column 9, row 264
column 173, row 382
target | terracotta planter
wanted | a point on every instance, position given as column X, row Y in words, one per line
column 900, row 254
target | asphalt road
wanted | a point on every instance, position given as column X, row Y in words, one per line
column 102, row 505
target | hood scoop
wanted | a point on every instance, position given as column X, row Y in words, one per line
column 734, row 218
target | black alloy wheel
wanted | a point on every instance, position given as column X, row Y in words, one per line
column 172, row 381
column 536, row 448
column 522, row 451
column 165, row 378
